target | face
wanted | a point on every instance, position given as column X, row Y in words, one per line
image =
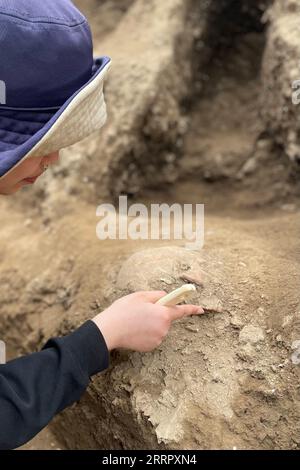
column 26, row 173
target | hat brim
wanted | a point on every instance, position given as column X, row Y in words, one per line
column 32, row 133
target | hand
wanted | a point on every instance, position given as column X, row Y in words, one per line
column 136, row 322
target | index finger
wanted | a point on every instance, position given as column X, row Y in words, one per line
column 180, row 311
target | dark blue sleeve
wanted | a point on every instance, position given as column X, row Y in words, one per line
column 34, row 388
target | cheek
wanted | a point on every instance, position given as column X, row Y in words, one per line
column 9, row 182
column 8, row 190
column 52, row 158
column 6, row 184
column 28, row 167
column 25, row 170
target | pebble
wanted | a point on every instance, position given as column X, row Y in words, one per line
column 296, row 354
column 287, row 321
column 166, row 281
column 251, row 334
column 296, row 344
column 192, row 328
column 236, row 322
column 28, row 222
column 283, row 364
column 264, row 144
column 296, row 357
column 288, row 207
column 249, row 167
column 241, row 263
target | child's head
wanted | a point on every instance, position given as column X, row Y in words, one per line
column 51, row 93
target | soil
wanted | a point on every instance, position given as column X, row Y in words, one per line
column 232, row 165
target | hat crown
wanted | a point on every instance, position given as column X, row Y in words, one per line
column 46, row 52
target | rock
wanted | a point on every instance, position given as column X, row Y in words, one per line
column 248, row 168
column 251, row 334
column 147, row 268
column 287, row 321
column 195, row 278
column 192, row 328
column 295, row 358
column 236, row 321
column 288, row 207
column 27, row 222
column 246, row 352
column 167, row 281
column 296, row 344
column 212, row 304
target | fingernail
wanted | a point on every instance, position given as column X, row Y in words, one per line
column 200, row 310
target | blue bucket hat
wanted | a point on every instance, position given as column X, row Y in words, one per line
column 51, row 88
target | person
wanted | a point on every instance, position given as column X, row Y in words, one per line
column 51, row 97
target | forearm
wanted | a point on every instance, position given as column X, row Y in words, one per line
column 34, row 388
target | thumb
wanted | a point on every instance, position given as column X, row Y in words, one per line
column 180, row 311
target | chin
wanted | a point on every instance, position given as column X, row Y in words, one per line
column 10, row 191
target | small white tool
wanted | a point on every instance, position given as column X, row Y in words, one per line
column 177, row 295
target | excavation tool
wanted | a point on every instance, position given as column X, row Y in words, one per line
column 177, row 295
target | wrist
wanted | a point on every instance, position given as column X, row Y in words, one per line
column 107, row 332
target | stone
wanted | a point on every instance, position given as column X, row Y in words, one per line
column 236, row 321
column 251, row 334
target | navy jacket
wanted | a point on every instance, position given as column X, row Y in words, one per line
column 34, row 388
